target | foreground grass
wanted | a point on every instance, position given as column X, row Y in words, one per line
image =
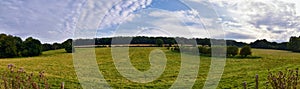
column 58, row 67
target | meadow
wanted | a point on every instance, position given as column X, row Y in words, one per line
column 58, row 67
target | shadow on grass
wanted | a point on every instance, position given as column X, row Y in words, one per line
column 248, row 57
column 235, row 57
column 53, row 52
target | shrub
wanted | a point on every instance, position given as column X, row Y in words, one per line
column 245, row 51
column 232, row 51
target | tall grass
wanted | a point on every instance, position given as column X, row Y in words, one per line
column 58, row 67
column 284, row 80
column 14, row 78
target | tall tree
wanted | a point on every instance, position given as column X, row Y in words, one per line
column 294, row 44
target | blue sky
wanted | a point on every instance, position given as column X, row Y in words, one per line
column 241, row 20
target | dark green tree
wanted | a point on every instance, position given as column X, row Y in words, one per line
column 7, row 46
column 56, row 46
column 46, row 47
column 232, row 51
column 31, row 47
column 159, row 42
column 294, row 44
column 245, row 51
column 68, row 46
column 19, row 44
column 204, row 50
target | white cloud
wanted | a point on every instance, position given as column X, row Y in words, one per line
column 122, row 12
column 42, row 19
column 55, row 20
column 155, row 22
column 275, row 20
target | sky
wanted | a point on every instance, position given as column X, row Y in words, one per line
column 241, row 20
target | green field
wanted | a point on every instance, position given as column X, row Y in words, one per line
column 58, row 66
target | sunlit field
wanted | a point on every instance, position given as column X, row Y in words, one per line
column 58, row 67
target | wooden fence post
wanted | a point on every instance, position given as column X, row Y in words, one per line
column 62, row 85
column 256, row 81
column 245, row 85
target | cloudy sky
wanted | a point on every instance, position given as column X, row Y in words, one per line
column 241, row 20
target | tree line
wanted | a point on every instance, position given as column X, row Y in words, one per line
column 153, row 40
column 13, row 46
column 67, row 45
column 264, row 44
column 292, row 45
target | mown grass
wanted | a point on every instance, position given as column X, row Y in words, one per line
column 58, row 67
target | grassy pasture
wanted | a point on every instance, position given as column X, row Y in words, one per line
column 58, row 66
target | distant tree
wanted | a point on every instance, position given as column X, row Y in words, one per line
column 204, row 50
column 56, row 46
column 205, row 41
column 159, row 42
column 245, row 51
column 46, row 47
column 68, row 46
column 294, row 44
column 232, row 51
column 235, row 43
column 31, row 47
column 282, row 46
column 262, row 44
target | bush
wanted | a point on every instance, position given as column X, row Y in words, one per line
column 245, row 51
column 232, row 51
